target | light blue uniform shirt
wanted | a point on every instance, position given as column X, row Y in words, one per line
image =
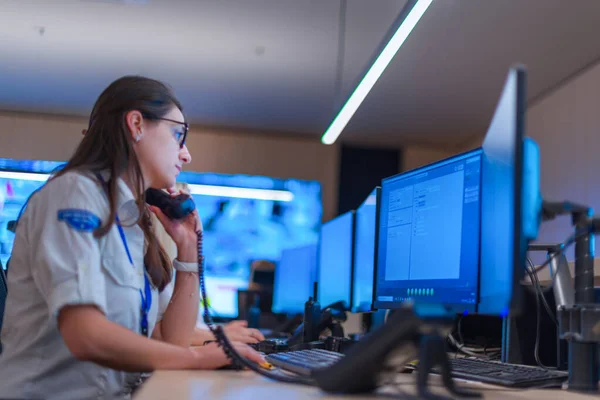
column 56, row 261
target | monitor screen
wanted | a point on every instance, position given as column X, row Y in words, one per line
column 364, row 253
column 503, row 242
column 294, row 278
column 428, row 248
column 242, row 225
column 245, row 218
column 18, row 180
column 335, row 261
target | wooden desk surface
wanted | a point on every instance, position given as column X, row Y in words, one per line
column 249, row 386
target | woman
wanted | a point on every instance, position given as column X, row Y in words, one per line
column 86, row 267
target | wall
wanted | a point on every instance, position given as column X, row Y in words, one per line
column 32, row 136
column 417, row 156
column 414, row 156
column 566, row 125
column 49, row 137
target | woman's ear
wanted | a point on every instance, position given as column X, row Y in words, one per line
column 135, row 123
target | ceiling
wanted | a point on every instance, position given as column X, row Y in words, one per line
column 282, row 65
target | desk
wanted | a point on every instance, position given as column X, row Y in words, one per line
column 249, row 386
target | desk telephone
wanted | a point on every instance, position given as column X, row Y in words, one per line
column 364, row 365
column 173, row 207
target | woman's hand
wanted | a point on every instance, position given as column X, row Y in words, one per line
column 211, row 356
column 238, row 331
column 184, row 232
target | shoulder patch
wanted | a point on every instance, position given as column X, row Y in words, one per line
column 81, row 220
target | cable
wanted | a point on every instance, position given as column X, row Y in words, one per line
column 532, row 272
column 224, row 342
column 468, row 351
column 563, row 247
column 540, row 292
column 536, row 349
column 460, row 343
column 532, row 268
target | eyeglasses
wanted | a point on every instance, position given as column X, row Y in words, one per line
column 179, row 136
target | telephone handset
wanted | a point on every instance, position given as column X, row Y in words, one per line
column 176, row 207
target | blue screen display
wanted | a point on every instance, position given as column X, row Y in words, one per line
column 238, row 231
column 294, row 277
column 238, row 227
column 429, row 234
column 15, row 189
column 335, row 261
column 364, row 254
column 503, row 244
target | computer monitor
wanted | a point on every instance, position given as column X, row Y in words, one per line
column 19, row 179
column 294, row 278
column 336, row 255
column 428, row 244
column 510, row 210
column 246, row 218
column 503, row 239
column 364, row 252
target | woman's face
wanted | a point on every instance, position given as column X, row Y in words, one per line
column 158, row 149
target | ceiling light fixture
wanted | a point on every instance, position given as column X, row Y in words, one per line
column 381, row 62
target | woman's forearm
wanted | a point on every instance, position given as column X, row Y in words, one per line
column 91, row 337
column 179, row 319
column 199, row 336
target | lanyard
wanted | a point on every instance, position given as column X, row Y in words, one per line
column 146, row 295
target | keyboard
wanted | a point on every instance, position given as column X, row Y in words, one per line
column 269, row 346
column 502, row 374
column 303, row 362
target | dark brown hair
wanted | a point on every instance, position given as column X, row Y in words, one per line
column 107, row 146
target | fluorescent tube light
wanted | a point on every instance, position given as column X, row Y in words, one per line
column 207, row 190
column 26, row 176
column 241, row 193
column 373, row 74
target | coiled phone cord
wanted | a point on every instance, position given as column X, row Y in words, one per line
column 222, row 340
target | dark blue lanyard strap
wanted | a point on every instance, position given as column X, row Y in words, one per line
column 146, row 295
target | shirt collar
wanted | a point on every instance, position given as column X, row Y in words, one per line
column 127, row 208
